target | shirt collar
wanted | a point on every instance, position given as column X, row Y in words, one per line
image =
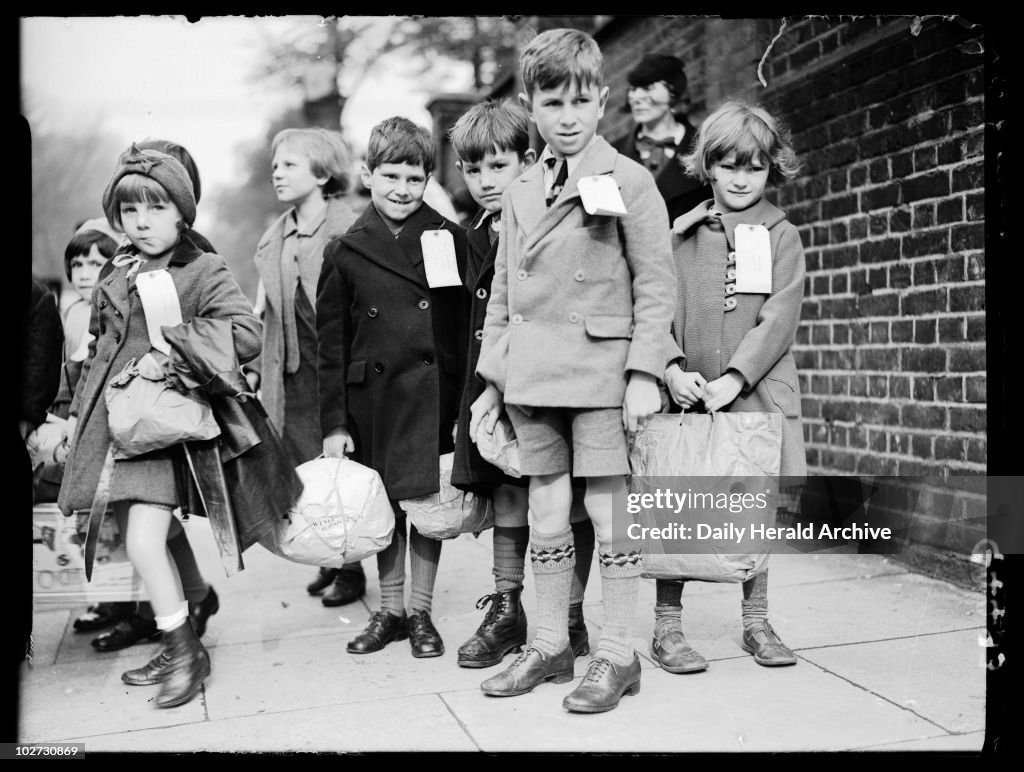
column 572, row 160
column 484, row 218
column 677, row 134
column 291, row 225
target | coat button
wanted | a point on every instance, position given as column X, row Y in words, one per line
column 103, row 304
column 731, row 259
column 479, row 334
column 428, row 359
column 424, row 304
column 730, row 303
column 521, row 274
column 378, row 368
column 730, row 288
column 372, row 312
column 574, row 317
column 481, row 293
column 578, row 276
column 117, row 313
column 517, row 319
column 730, row 274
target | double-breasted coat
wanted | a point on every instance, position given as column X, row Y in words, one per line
column 756, row 337
column 206, row 288
column 470, row 471
column 337, row 221
column 578, row 300
column 392, row 350
column 680, row 191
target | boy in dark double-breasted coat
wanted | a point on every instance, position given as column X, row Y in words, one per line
column 392, row 347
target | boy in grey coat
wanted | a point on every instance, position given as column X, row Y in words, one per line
column 580, row 305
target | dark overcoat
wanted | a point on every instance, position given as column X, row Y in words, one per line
column 680, row 191
column 470, row 471
column 392, row 351
column 205, row 287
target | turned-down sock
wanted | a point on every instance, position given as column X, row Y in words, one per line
column 620, row 583
column 552, row 558
column 755, row 600
column 668, row 607
column 510, row 557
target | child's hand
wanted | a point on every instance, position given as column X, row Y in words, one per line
column 485, row 411
column 686, row 221
column 685, row 388
column 338, row 444
column 69, row 428
column 642, row 400
column 722, row 391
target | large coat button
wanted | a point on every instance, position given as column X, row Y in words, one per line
column 578, row 276
column 428, row 359
column 479, row 334
column 481, row 293
column 378, row 368
column 574, row 317
column 730, row 288
column 521, row 274
column 424, row 304
column 516, row 319
column 372, row 312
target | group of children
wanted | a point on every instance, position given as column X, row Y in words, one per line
column 417, row 335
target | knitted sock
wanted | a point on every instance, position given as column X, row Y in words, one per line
column 391, row 569
column 755, row 600
column 192, row 582
column 668, row 607
column 426, row 553
column 552, row 558
column 173, row 620
column 620, row 583
column 510, row 557
column 583, row 540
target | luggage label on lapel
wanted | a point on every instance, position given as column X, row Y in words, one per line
column 753, row 259
column 600, row 195
column 439, row 262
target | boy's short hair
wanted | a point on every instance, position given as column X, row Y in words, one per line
column 748, row 130
column 398, row 140
column 491, row 127
column 328, row 153
column 81, row 244
column 560, row 57
column 174, row 150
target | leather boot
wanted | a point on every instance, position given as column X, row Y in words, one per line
column 528, row 670
column 189, row 665
column 349, row 586
column 579, row 638
column 200, row 611
column 502, row 630
column 324, row 579
column 150, row 674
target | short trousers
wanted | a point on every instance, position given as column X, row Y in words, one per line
column 588, row 442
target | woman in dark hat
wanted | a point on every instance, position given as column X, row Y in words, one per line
column 662, row 135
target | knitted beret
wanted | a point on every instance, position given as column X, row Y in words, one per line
column 655, row 67
column 160, row 167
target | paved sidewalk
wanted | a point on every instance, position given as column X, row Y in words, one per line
column 888, row 660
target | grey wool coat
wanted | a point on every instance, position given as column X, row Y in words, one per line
column 270, row 365
column 392, row 350
column 578, row 300
column 206, row 288
column 756, row 337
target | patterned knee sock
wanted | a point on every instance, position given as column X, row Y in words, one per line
column 583, row 539
column 620, row 582
column 426, row 553
column 391, row 568
column 755, row 600
column 510, row 557
column 668, row 607
column 552, row 558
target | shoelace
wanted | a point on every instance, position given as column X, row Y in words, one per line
column 522, row 656
column 597, row 670
column 492, row 612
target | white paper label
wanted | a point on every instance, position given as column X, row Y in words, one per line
column 600, row 195
column 159, row 304
column 753, row 259
column 439, row 259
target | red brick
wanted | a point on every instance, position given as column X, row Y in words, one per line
column 899, row 220
column 881, row 197
column 970, row 177
column 820, row 384
column 820, row 334
column 878, row 170
column 920, row 302
column 878, row 386
column 899, row 276
column 840, row 257
column 898, row 443
column 977, row 450
column 837, row 359
column 949, row 388
column 966, row 116
column 968, row 237
column 924, row 359
column 950, row 210
column 950, row 151
column 967, row 298
column 884, row 359
column 924, row 159
column 924, row 215
column 976, row 206
column 934, row 242
column 921, row 445
column 924, row 390
column 924, row 330
column 859, row 386
column 902, row 164
column 809, row 309
column 839, row 207
column 840, row 281
column 977, row 390
column 878, row 332
column 899, row 387
column 806, row 359
column 949, row 448
column 879, row 250
column 821, row 285
column 975, row 328
column 839, row 385
column 931, row 185
column 840, row 333
column 878, row 305
column 902, row 331
column 858, row 176
column 975, row 267
column 877, row 413
column 967, row 419
column 951, row 329
column 967, row 360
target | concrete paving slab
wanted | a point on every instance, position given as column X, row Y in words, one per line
column 971, row 742
column 940, row 677
column 48, row 627
column 412, row 724
column 740, row 707
column 85, row 698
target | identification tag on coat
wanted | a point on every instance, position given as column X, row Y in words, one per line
column 600, row 195
column 753, row 259
column 439, row 262
column 159, row 305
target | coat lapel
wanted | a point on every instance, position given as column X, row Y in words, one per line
column 371, row 239
column 528, row 196
column 483, row 251
column 267, row 251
